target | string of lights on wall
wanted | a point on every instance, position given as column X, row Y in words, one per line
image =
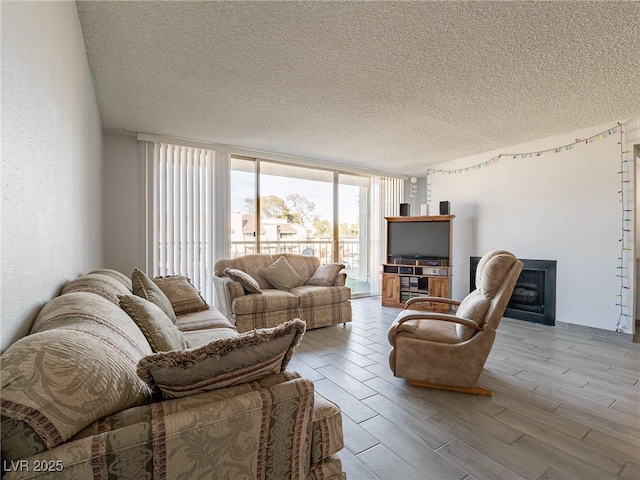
column 626, row 212
column 626, row 231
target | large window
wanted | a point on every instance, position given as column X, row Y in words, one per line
column 203, row 205
column 296, row 210
column 305, row 210
column 353, row 230
column 243, row 221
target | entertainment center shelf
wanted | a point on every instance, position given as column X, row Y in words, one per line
column 418, row 260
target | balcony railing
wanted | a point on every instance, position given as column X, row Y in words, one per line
column 323, row 249
column 349, row 250
column 357, row 274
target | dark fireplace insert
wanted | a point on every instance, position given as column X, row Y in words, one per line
column 534, row 296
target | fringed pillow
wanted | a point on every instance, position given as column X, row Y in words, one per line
column 222, row 363
column 144, row 287
column 184, row 297
column 161, row 333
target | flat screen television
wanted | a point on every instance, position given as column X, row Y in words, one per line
column 417, row 239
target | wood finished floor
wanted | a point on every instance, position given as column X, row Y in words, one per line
column 565, row 405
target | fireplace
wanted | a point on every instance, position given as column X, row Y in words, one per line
column 534, row 296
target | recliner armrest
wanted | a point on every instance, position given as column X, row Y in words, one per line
column 443, row 317
column 395, row 329
column 415, row 300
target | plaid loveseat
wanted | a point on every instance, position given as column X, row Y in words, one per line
column 74, row 405
column 318, row 296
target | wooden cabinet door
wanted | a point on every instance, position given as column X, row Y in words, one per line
column 439, row 287
column 390, row 290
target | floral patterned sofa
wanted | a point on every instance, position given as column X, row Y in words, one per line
column 109, row 385
column 264, row 290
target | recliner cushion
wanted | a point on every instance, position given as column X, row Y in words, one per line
column 431, row 330
column 473, row 307
column 491, row 271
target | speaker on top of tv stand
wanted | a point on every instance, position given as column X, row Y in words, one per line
column 404, row 209
column 445, row 208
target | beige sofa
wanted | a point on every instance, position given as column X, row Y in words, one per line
column 318, row 296
column 75, row 405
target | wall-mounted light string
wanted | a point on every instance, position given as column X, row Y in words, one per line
column 502, row 156
column 625, row 234
column 627, row 213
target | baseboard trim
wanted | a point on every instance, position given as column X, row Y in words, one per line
column 599, row 332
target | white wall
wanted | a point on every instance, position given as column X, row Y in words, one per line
column 124, row 203
column 558, row 206
column 51, row 213
column 636, row 212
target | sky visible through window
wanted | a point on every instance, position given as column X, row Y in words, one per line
column 319, row 193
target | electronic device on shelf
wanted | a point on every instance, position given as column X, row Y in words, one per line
column 418, row 260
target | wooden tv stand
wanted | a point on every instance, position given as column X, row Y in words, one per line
column 407, row 277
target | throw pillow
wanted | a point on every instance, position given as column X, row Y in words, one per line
column 61, row 380
column 221, row 363
column 247, row 281
column 184, row 297
column 144, row 287
column 282, row 275
column 161, row 333
column 325, row 275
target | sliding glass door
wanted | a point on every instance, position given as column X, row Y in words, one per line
column 243, row 220
column 296, row 210
column 353, row 231
column 282, row 208
column 204, row 205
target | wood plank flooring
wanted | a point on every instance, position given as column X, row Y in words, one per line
column 565, row 405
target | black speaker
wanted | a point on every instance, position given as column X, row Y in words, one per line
column 445, row 208
column 404, row 209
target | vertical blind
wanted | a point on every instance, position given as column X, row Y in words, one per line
column 392, row 195
column 180, row 211
column 188, row 213
column 386, row 195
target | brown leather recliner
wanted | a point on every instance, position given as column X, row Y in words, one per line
column 448, row 351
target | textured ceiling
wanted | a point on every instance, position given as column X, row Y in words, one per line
column 391, row 86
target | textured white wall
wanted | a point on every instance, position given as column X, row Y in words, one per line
column 51, row 227
column 559, row 206
column 124, row 203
